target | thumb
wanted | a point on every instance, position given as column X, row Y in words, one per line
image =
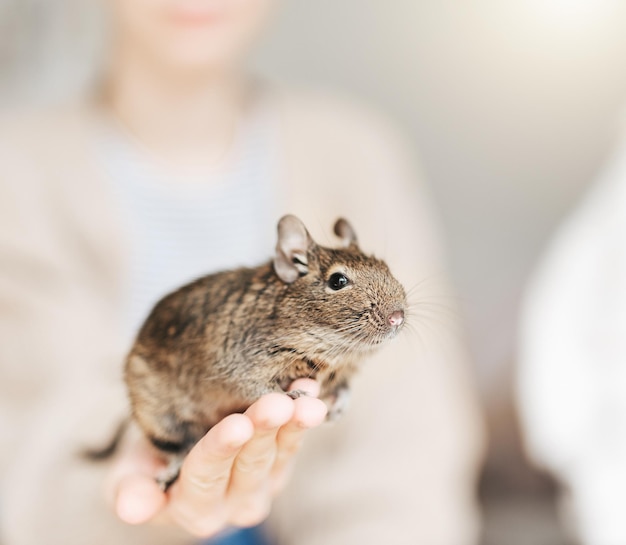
column 130, row 485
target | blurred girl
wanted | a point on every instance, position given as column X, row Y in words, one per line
column 179, row 165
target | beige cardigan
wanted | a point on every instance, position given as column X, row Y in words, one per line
column 399, row 468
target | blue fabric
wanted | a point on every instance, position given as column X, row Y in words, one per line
column 245, row 536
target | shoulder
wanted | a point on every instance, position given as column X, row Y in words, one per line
column 40, row 148
column 43, row 130
column 337, row 141
column 51, row 189
column 332, row 119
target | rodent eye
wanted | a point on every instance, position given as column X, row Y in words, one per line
column 337, row 281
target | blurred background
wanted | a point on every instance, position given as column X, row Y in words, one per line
column 512, row 106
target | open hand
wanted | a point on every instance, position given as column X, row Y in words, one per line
column 229, row 477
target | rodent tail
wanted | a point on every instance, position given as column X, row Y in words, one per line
column 103, row 453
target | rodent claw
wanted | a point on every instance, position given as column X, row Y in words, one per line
column 295, row 394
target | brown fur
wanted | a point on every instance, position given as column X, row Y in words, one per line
column 216, row 345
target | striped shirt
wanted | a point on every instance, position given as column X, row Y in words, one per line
column 180, row 226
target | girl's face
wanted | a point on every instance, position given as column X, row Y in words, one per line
column 189, row 34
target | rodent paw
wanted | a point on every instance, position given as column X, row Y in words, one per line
column 295, row 394
column 169, row 475
column 166, row 480
column 335, row 413
column 339, row 404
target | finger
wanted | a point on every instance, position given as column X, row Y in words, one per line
column 199, row 493
column 309, row 412
column 138, row 499
column 256, row 458
column 248, row 492
column 307, row 385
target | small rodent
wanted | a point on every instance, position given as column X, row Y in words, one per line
column 216, row 345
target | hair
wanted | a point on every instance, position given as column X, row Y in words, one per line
column 49, row 49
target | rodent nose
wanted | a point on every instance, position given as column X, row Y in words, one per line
column 396, row 318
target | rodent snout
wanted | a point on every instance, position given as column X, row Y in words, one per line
column 396, row 318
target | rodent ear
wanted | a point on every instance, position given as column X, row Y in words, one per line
column 345, row 232
column 291, row 259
